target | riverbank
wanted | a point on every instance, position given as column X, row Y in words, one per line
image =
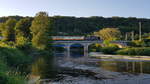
column 17, row 63
column 119, row 57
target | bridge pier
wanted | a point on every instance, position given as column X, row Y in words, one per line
column 68, row 51
column 86, row 50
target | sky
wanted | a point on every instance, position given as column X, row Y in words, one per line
column 78, row 8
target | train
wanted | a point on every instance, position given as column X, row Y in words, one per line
column 80, row 38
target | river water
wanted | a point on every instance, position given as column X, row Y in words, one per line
column 80, row 70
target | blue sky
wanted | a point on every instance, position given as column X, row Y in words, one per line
column 79, row 8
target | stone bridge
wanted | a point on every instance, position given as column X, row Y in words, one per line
column 86, row 44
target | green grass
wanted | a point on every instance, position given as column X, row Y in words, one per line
column 7, row 76
column 14, row 57
column 12, row 62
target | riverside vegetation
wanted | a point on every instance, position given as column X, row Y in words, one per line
column 21, row 45
column 130, row 50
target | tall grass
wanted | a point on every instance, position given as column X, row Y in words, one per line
column 7, row 76
column 12, row 59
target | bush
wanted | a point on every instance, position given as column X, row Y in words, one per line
column 26, row 48
column 137, row 43
column 7, row 77
column 12, row 60
column 14, row 57
column 110, row 49
column 6, row 44
column 95, row 48
column 134, row 51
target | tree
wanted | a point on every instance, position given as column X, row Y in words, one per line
column 2, row 26
column 109, row 34
column 23, row 31
column 41, row 30
column 8, row 31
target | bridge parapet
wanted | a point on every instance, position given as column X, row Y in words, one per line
column 124, row 43
column 78, row 41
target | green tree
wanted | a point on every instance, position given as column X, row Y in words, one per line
column 8, row 31
column 109, row 34
column 41, row 30
column 2, row 26
column 23, row 31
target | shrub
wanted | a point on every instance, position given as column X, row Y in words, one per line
column 134, row 51
column 110, row 49
column 95, row 48
column 6, row 44
column 7, row 77
column 137, row 43
column 13, row 56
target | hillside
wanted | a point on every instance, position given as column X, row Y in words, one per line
column 65, row 25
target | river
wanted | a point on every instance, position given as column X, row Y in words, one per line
column 80, row 70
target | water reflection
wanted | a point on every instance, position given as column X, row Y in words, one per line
column 126, row 66
column 44, row 67
column 76, row 50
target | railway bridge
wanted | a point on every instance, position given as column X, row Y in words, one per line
column 85, row 44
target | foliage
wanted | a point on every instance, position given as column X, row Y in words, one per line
column 109, row 34
column 2, row 26
column 20, row 41
column 4, row 19
column 146, row 35
column 106, row 43
column 135, row 51
column 16, row 49
column 14, row 57
column 82, row 26
column 147, row 42
column 22, row 31
column 7, row 75
column 41, row 30
column 7, row 44
column 95, row 48
column 110, row 49
column 65, row 25
column 8, row 31
column 137, row 43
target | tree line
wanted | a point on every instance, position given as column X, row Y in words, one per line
column 20, row 31
column 66, row 25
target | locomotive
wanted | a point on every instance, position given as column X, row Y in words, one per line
column 80, row 38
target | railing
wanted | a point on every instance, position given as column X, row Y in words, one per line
column 84, row 41
column 89, row 41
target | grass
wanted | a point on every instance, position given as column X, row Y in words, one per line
column 12, row 59
column 7, row 76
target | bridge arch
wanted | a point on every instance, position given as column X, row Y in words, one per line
column 76, row 50
column 59, row 47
